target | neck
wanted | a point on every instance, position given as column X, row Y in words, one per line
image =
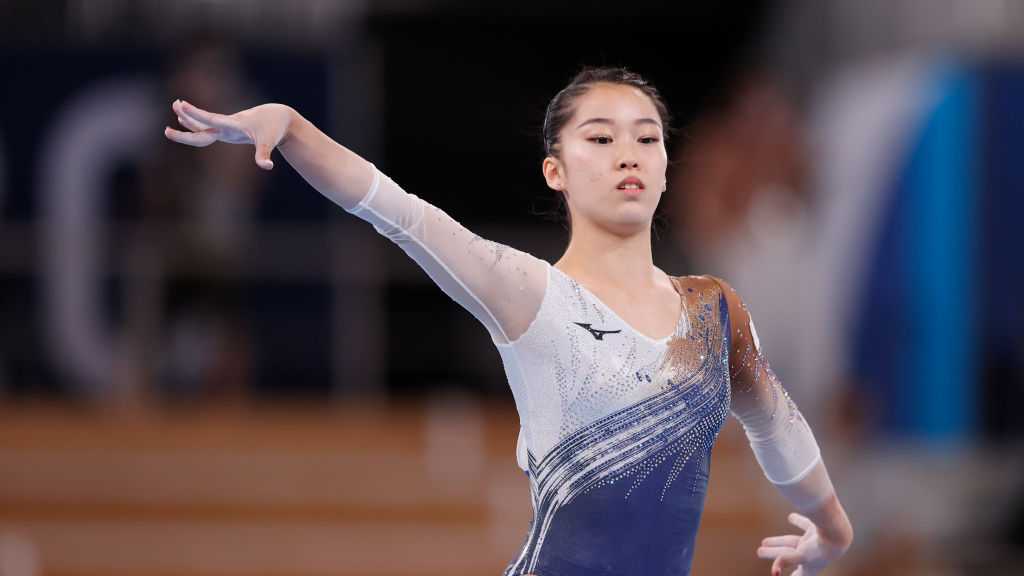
column 597, row 255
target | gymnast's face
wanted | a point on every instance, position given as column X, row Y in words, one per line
column 611, row 160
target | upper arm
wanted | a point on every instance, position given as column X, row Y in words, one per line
column 781, row 439
column 754, row 386
column 744, row 347
column 501, row 286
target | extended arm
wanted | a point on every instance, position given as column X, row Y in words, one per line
column 500, row 286
column 786, row 449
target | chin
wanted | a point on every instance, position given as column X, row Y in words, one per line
column 629, row 224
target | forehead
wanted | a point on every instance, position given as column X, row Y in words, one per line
column 616, row 102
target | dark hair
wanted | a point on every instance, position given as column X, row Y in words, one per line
column 561, row 108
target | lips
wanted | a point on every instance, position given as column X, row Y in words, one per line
column 631, row 185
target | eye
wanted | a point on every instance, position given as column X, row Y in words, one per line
column 650, row 140
column 601, row 139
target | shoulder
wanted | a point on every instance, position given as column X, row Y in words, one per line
column 710, row 285
column 698, row 283
column 715, row 286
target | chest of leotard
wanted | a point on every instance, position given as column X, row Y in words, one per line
column 617, row 432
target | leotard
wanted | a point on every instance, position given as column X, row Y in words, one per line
column 617, row 428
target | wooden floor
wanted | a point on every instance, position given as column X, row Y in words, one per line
column 356, row 490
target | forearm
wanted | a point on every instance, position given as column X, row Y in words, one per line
column 812, row 492
column 500, row 286
column 335, row 171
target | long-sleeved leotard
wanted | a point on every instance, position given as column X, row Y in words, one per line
column 616, row 428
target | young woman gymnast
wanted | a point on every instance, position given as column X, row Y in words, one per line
column 622, row 374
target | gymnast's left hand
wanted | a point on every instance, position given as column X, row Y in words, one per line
column 808, row 553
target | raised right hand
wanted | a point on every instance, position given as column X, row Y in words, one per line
column 263, row 126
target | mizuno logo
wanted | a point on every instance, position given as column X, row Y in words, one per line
column 597, row 334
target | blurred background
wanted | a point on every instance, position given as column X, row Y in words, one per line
column 206, row 369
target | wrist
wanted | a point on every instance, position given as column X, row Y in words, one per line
column 292, row 120
column 840, row 539
column 834, row 527
column 838, row 535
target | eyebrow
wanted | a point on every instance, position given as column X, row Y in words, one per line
column 610, row 121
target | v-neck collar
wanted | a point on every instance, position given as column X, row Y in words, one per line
column 657, row 341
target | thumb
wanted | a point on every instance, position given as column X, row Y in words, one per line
column 263, row 156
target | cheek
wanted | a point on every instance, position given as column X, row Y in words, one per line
column 584, row 167
column 659, row 166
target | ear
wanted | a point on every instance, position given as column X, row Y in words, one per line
column 553, row 173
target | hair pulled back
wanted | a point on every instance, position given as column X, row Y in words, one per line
column 562, row 106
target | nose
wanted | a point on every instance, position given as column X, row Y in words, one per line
column 627, row 157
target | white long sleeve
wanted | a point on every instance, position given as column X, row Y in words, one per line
column 502, row 287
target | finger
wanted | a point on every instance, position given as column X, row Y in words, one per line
column 263, row 157
column 192, row 124
column 186, row 121
column 773, row 552
column 787, row 540
column 199, row 139
column 785, row 562
column 801, row 522
column 798, row 572
column 204, row 117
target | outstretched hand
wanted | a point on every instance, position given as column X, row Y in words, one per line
column 263, row 126
column 808, row 553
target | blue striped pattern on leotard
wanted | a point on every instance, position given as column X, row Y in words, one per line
column 624, row 494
